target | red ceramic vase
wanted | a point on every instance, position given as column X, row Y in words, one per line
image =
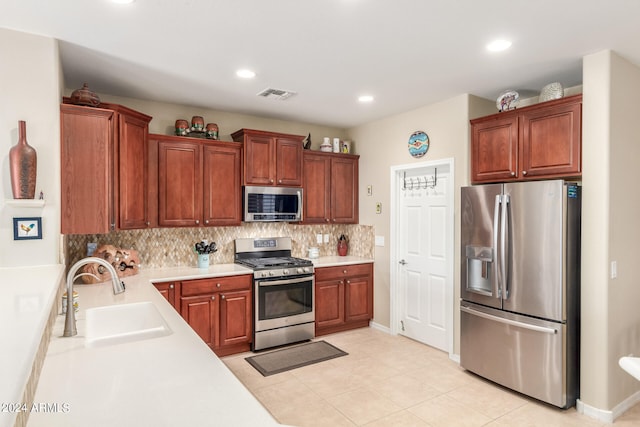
column 23, row 166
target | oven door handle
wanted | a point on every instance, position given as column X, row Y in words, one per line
column 285, row 281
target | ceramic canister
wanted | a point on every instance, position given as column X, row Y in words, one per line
column 211, row 131
column 182, row 127
column 197, row 123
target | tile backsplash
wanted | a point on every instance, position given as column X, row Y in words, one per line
column 173, row 247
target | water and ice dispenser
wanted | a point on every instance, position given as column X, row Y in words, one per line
column 479, row 269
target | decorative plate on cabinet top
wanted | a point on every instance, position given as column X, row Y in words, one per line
column 507, row 100
column 418, row 144
column 551, row 91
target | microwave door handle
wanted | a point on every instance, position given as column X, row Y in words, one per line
column 504, row 246
column 496, row 238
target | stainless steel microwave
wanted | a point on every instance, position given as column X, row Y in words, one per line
column 269, row 204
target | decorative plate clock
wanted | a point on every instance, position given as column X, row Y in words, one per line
column 418, row 144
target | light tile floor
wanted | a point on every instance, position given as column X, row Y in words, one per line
column 394, row 381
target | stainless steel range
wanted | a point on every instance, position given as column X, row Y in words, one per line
column 283, row 291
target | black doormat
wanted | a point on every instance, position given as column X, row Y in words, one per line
column 294, row 357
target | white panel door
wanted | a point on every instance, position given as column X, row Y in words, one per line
column 424, row 251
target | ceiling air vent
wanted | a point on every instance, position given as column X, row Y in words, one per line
column 276, row 94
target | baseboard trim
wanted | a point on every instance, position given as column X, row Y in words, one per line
column 380, row 327
column 593, row 412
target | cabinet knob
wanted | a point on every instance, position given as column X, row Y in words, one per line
column 213, row 297
column 348, row 282
column 327, row 219
column 341, row 282
column 217, row 285
column 513, row 174
column 221, row 296
column 147, row 223
column 279, row 181
column 206, row 221
column 270, row 181
column 197, row 221
column 344, row 271
column 524, row 172
column 170, row 286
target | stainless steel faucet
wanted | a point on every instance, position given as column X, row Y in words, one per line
column 118, row 287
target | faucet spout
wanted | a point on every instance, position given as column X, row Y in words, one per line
column 70, row 318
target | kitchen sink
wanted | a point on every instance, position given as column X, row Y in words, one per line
column 116, row 324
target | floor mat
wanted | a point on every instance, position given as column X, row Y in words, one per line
column 294, row 357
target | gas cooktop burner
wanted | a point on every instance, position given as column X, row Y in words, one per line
column 275, row 262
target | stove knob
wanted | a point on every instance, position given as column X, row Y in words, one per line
column 264, row 274
column 300, row 270
column 271, row 273
column 285, row 272
column 307, row 270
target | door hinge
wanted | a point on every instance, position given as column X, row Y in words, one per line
column 402, row 325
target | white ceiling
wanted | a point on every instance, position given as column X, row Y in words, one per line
column 406, row 53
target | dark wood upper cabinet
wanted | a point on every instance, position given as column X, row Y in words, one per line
column 330, row 188
column 270, row 158
column 198, row 181
column 104, row 164
column 535, row 142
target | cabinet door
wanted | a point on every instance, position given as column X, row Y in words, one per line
column 235, row 317
column 133, row 149
column 259, row 160
column 222, row 204
column 317, row 188
column 329, row 303
column 168, row 291
column 88, row 157
column 344, row 190
column 551, row 141
column 288, row 162
column 179, row 184
column 358, row 299
column 494, row 149
column 201, row 313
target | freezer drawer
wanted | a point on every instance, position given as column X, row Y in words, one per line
column 524, row 354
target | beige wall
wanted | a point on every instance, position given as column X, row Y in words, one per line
column 30, row 78
column 611, row 208
column 165, row 115
column 383, row 144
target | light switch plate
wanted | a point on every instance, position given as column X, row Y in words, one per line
column 326, row 238
column 319, row 238
column 379, row 240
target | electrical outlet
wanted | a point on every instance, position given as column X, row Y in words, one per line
column 379, row 207
column 369, row 190
column 326, row 238
column 319, row 238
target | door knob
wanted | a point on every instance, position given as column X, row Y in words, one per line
column 402, row 262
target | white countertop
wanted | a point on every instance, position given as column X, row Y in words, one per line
column 166, row 381
column 332, row 261
column 26, row 298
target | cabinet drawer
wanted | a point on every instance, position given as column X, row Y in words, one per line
column 328, row 273
column 216, row 284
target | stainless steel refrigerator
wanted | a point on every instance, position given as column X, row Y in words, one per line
column 520, row 287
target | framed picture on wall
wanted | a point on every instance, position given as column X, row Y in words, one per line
column 27, row 228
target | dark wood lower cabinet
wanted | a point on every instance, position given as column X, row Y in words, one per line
column 344, row 297
column 219, row 310
column 169, row 290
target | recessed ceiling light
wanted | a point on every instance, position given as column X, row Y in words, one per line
column 365, row 98
column 245, row 74
column 499, row 45
column 122, row 1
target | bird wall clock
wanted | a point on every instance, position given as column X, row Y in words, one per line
column 27, row 228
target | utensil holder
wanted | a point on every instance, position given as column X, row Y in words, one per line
column 203, row 260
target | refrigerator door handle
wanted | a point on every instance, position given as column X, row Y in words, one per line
column 504, row 240
column 509, row 321
column 496, row 236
